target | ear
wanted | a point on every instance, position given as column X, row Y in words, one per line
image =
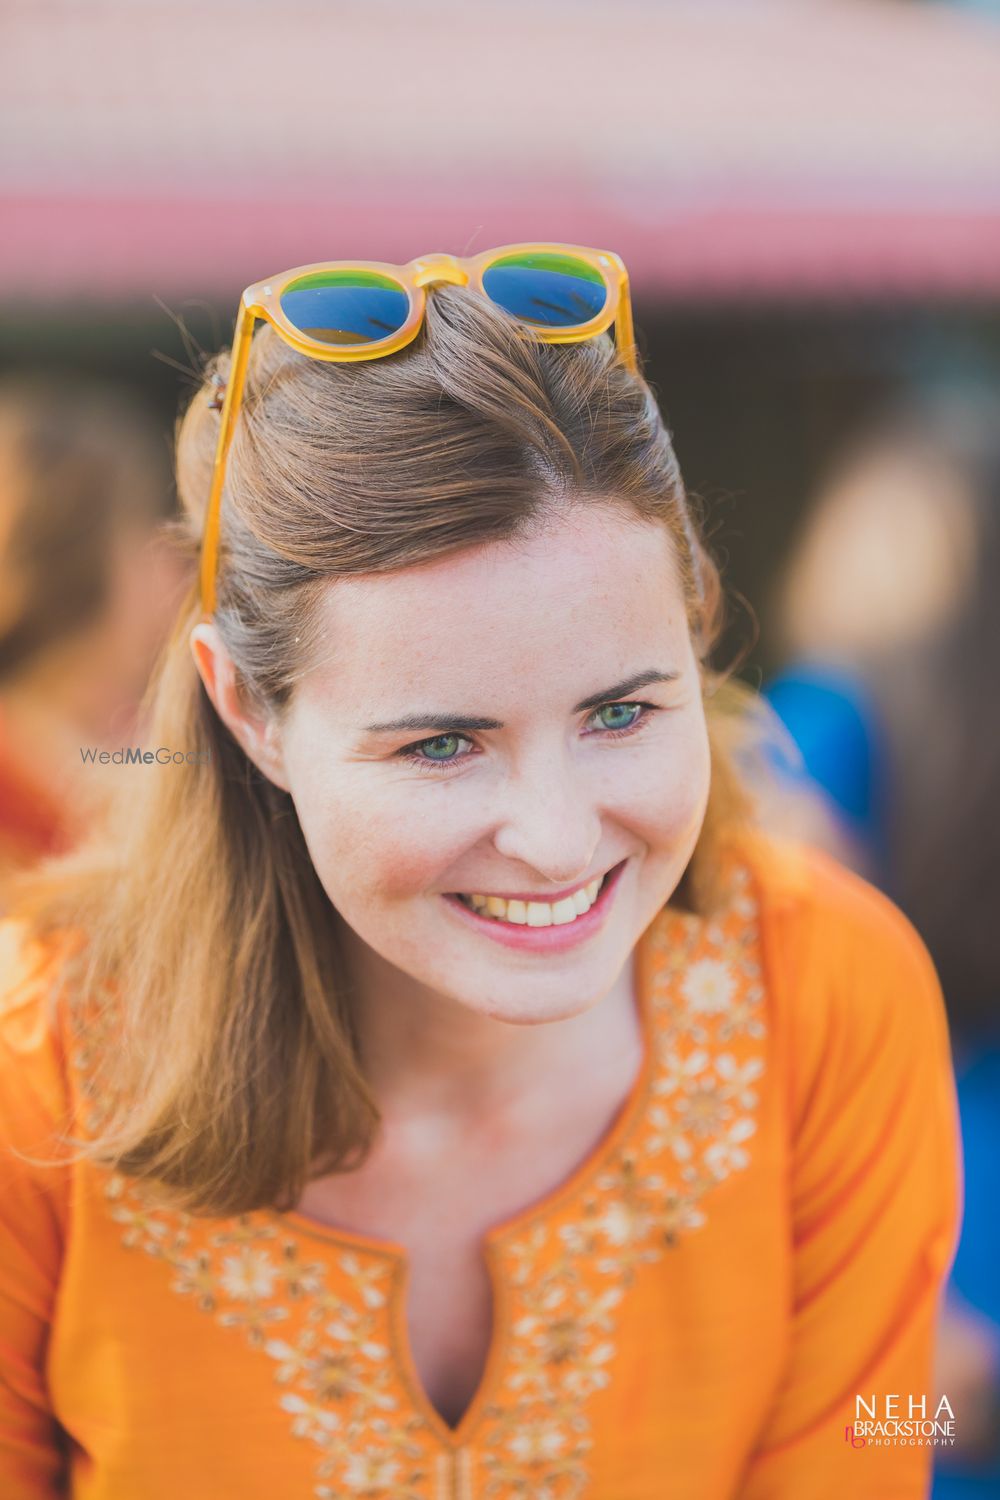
column 251, row 726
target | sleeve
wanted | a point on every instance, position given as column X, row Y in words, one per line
column 32, row 1227
column 875, row 1197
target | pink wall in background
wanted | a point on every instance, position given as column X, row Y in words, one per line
column 722, row 147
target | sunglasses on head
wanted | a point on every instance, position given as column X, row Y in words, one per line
column 343, row 310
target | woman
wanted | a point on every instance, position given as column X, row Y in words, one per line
column 466, row 1100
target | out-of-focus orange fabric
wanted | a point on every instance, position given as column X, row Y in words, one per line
column 760, row 1238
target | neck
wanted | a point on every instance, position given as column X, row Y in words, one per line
column 424, row 1052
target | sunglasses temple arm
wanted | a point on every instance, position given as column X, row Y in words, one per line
column 239, row 358
column 624, row 331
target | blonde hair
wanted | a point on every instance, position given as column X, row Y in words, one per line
column 237, row 1077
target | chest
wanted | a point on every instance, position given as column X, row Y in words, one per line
column 450, row 1321
column 436, row 1202
column 448, row 1289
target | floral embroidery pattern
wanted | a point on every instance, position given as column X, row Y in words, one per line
column 331, row 1358
column 698, row 1122
column 332, row 1354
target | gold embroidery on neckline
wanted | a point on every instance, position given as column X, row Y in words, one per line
column 333, row 1360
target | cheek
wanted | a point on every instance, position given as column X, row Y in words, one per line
column 371, row 843
column 667, row 798
column 695, row 775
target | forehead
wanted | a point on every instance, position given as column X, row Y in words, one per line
column 589, row 584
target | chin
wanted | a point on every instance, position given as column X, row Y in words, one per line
column 536, row 1011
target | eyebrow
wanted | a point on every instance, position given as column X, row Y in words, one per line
column 443, row 722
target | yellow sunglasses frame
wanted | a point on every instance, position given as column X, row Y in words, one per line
column 263, row 300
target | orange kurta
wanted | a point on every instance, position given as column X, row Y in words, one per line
column 760, row 1238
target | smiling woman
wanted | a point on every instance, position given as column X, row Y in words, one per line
column 464, row 1098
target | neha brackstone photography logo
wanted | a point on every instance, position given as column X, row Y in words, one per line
column 133, row 755
column 891, row 1426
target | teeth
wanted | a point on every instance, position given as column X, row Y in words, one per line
column 535, row 913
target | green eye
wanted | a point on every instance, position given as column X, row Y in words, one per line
column 438, row 751
column 449, row 742
column 622, row 714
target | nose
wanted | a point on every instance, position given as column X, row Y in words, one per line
column 548, row 822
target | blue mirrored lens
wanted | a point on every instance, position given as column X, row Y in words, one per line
column 346, row 306
column 548, row 289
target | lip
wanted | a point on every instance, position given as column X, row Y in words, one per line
column 544, row 939
column 551, row 896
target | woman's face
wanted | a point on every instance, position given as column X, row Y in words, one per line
column 515, row 720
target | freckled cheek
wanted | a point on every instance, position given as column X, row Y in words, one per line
column 663, row 801
column 377, row 847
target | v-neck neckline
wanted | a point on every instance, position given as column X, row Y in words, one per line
column 626, row 1120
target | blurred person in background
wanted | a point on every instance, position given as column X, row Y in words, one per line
column 87, row 587
column 889, row 621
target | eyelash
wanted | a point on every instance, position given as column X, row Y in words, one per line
column 410, row 752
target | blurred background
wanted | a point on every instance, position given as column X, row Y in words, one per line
column 807, row 196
